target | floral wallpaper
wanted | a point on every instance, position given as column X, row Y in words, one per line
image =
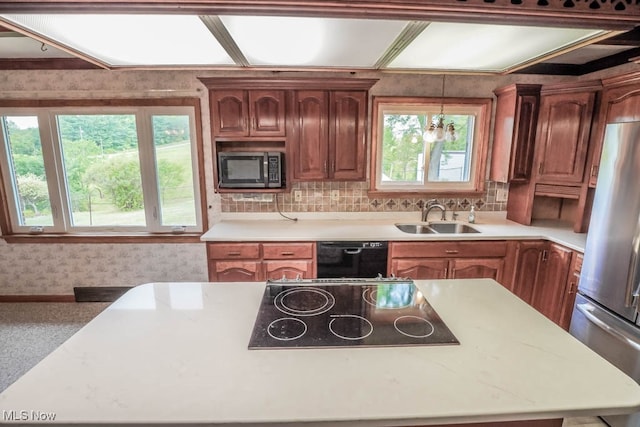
column 54, row 269
column 36, row 269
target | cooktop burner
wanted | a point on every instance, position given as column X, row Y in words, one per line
column 349, row 312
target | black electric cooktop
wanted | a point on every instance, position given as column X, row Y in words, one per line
column 346, row 312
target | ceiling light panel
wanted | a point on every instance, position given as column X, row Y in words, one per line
column 487, row 48
column 131, row 40
column 27, row 48
column 312, row 42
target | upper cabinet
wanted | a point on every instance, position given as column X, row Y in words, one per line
column 318, row 123
column 563, row 135
column 515, row 131
column 558, row 186
column 620, row 103
column 328, row 135
column 243, row 113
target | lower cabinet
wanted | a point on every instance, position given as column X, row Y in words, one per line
column 255, row 262
column 448, row 260
column 546, row 277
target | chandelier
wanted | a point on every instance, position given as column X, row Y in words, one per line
column 437, row 131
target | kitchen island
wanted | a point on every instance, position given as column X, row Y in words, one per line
column 176, row 354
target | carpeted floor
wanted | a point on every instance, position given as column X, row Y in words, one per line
column 30, row 331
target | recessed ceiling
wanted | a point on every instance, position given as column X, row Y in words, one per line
column 162, row 41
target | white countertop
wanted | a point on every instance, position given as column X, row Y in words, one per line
column 176, row 353
column 492, row 226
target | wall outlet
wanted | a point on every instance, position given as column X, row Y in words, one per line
column 297, row 195
column 501, row 195
column 335, row 195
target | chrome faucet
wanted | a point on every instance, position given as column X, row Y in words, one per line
column 429, row 206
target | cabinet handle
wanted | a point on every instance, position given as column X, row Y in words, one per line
column 573, row 288
column 233, row 253
column 451, row 251
column 325, row 167
column 286, row 253
column 545, row 255
column 594, row 170
column 332, row 167
column 446, row 270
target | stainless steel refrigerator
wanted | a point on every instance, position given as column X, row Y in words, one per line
column 605, row 315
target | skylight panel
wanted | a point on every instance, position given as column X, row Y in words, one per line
column 489, row 48
column 313, row 42
column 130, row 40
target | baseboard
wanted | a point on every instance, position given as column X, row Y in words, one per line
column 99, row 293
column 37, row 298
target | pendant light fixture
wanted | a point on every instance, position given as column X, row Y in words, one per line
column 436, row 131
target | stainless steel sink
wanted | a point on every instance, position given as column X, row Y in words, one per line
column 452, row 228
column 416, row 228
column 436, row 228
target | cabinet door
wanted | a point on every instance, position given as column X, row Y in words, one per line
column 515, row 132
column 527, row 270
column 550, row 288
column 563, row 137
column 290, row 269
column 619, row 104
column 476, row 268
column 347, row 143
column 266, row 112
column 235, row 271
column 310, row 146
column 571, row 290
column 417, row 269
column 229, row 113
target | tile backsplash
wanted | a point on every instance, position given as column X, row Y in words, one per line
column 352, row 197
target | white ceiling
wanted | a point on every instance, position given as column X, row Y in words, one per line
column 148, row 41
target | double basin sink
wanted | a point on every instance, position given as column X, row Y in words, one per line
column 436, row 228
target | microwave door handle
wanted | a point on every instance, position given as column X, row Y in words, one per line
column 633, row 281
column 265, row 170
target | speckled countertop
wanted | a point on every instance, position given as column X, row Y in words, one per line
column 317, row 227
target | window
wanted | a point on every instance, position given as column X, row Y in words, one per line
column 407, row 157
column 81, row 169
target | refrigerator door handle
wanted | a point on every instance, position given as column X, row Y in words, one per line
column 633, row 282
column 587, row 311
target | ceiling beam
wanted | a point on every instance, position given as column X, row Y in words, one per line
column 603, row 14
column 408, row 34
column 215, row 25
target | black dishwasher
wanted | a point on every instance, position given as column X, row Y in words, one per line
column 352, row 259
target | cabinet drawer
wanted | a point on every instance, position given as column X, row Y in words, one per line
column 233, row 250
column 455, row 249
column 287, row 250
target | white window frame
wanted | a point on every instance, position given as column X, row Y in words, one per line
column 56, row 180
column 480, row 108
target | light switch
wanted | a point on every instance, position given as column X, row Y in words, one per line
column 501, row 195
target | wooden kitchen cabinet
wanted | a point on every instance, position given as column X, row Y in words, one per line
column 252, row 262
column 563, row 135
column 448, row 260
column 620, row 103
column 541, row 278
column 528, row 266
column 289, row 260
column 516, row 118
column 419, row 269
column 247, row 113
column 549, row 291
column 329, row 135
column 571, row 289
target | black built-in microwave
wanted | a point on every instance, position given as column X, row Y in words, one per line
column 240, row 169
